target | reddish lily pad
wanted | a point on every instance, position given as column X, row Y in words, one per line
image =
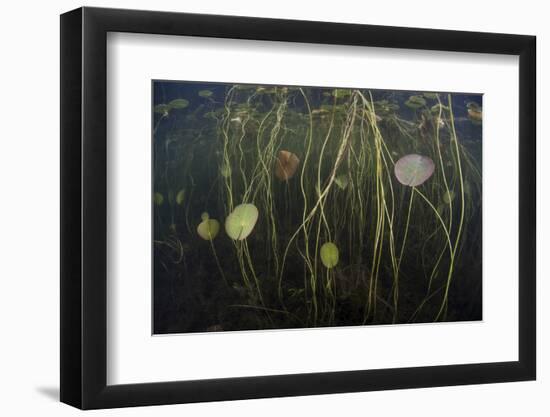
column 413, row 170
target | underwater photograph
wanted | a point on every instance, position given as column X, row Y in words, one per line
column 291, row 207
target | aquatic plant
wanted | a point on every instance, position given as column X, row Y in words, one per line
column 475, row 113
column 389, row 216
column 342, row 181
column 163, row 109
column 208, row 229
column 205, row 93
column 225, row 170
column 178, row 103
column 329, row 255
column 286, row 165
column 413, row 170
column 241, row 221
column 415, row 102
column 448, row 196
column 158, row 198
column 180, row 196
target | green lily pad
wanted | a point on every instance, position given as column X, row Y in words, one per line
column 329, row 255
column 413, row 170
column 158, row 199
column 205, row 93
column 435, row 108
column 161, row 108
column 342, row 181
column 448, row 196
column 241, row 221
column 209, row 228
column 179, row 103
column 415, row 102
column 180, row 196
column 341, row 92
column 430, row 95
column 225, row 170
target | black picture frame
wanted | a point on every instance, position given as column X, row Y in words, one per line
column 84, row 207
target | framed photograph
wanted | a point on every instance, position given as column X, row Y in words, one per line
column 258, row 208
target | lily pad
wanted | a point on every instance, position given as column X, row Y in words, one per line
column 415, row 102
column 241, row 221
column 342, row 181
column 448, row 196
column 179, row 197
column 179, row 103
column 158, row 199
column 209, row 228
column 161, row 108
column 225, row 170
column 205, row 93
column 435, row 108
column 413, row 170
column 329, row 255
column 430, row 95
column 286, row 165
column 341, row 92
column 475, row 114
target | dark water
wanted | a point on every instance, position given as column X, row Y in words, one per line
column 317, row 166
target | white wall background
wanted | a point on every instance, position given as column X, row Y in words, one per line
column 29, row 237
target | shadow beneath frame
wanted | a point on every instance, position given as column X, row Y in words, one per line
column 50, row 392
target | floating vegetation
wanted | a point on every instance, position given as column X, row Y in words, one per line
column 475, row 113
column 415, row 102
column 438, row 107
column 339, row 207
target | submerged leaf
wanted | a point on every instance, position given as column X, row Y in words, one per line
column 205, row 93
column 241, row 221
column 475, row 115
column 435, row 108
column 448, row 196
column 329, row 255
column 286, row 165
column 473, row 106
column 415, row 102
column 158, row 199
column 342, row 181
column 341, row 92
column 208, row 229
column 179, row 197
column 179, row 103
column 430, row 95
column 413, row 170
column 162, row 108
column 225, row 170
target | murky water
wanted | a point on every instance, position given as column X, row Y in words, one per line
column 290, row 207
